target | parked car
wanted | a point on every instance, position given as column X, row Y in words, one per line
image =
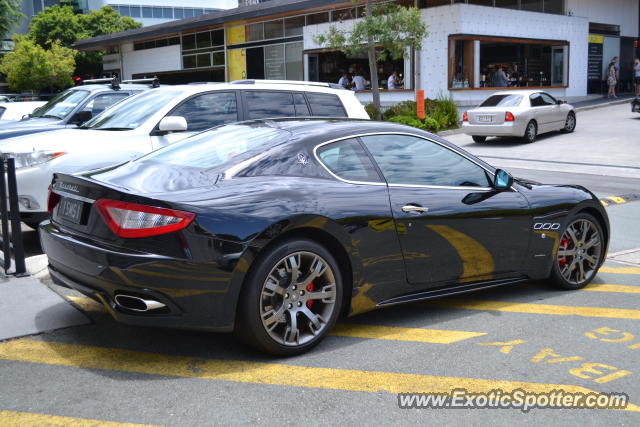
column 635, row 105
column 17, row 110
column 75, row 106
column 520, row 113
column 156, row 118
column 273, row 228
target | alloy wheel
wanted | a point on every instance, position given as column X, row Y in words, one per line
column 579, row 252
column 531, row 132
column 570, row 124
column 298, row 298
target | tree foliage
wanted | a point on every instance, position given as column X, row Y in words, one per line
column 10, row 16
column 386, row 30
column 31, row 67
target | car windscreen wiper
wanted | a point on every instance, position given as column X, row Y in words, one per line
column 48, row 116
column 113, row 128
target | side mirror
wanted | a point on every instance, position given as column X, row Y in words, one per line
column 80, row 117
column 172, row 124
column 502, row 180
column 560, row 101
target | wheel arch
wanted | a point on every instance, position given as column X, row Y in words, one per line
column 602, row 220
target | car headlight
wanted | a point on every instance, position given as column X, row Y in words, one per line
column 25, row 160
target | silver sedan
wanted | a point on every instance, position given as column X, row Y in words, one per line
column 521, row 113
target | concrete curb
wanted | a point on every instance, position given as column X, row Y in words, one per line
column 604, row 104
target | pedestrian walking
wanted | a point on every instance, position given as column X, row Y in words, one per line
column 612, row 79
column 636, row 69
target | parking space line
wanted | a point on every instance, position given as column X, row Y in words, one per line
column 392, row 333
column 30, row 419
column 619, row 270
column 606, row 287
column 516, row 307
column 112, row 359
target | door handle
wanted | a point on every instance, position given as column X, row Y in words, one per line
column 414, row 208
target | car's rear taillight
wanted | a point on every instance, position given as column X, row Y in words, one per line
column 508, row 117
column 52, row 200
column 132, row 220
column 465, row 117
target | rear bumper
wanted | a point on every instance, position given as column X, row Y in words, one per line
column 194, row 295
column 504, row 129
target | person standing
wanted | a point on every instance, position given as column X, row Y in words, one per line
column 500, row 78
column 392, row 81
column 636, row 69
column 344, row 81
column 612, row 79
column 359, row 82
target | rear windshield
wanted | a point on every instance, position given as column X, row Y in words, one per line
column 219, row 147
column 502, row 101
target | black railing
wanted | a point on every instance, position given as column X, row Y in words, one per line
column 11, row 242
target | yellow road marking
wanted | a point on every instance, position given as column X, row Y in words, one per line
column 515, row 307
column 28, row 419
column 619, row 270
column 605, row 287
column 617, row 199
column 433, row 336
column 89, row 357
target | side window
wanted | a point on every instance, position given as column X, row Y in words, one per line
column 325, row 105
column 406, row 159
column 547, row 99
column 302, row 110
column 208, row 110
column 101, row 102
column 537, row 100
column 263, row 104
column 348, row 160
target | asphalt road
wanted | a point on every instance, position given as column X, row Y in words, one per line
column 527, row 336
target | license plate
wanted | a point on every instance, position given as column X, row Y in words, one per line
column 70, row 209
column 485, row 119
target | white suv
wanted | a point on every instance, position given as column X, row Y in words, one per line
column 155, row 118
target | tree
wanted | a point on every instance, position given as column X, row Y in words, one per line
column 385, row 30
column 10, row 16
column 61, row 23
column 31, row 67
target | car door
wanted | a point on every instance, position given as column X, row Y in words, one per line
column 542, row 111
column 453, row 226
column 557, row 117
column 201, row 111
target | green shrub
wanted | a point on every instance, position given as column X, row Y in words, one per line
column 404, row 108
column 428, row 123
column 371, row 110
column 441, row 113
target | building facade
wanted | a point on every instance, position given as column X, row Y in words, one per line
column 563, row 46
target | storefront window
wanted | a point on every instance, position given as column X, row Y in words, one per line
column 344, row 14
column 273, row 29
column 274, row 68
column 508, row 4
column 318, row 18
column 554, row 6
column 293, row 26
column 482, row 2
column 293, row 56
column 254, row 32
column 531, row 5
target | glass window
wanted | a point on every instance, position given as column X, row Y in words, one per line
column 502, row 101
column 37, row 6
column 173, row 41
column 203, row 60
column 208, row 110
column 210, row 11
column 49, row 3
column 197, row 12
column 61, row 105
column 133, row 111
column 293, row 26
column 325, row 105
column 189, row 42
column 218, row 58
column 217, row 38
column 101, row 102
column 178, row 12
column 167, row 13
column 318, row 18
column 348, row 160
column 138, row 46
column 135, row 11
column 273, row 29
column 482, row 2
column 541, row 100
column 254, row 31
column 532, row 5
column 508, row 4
column 548, row 99
column 300, row 104
column 203, row 40
column 293, row 57
column 269, row 104
column 407, row 159
column 344, row 14
column 157, row 12
column 274, row 64
column 161, row 43
column 554, row 6
column 188, row 13
column 124, row 11
column 147, row 12
column 189, row 61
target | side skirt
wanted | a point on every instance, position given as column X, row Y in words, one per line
column 450, row 290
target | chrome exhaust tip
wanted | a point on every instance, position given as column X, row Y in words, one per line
column 133, row 303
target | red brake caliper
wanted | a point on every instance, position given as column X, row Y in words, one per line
column 310, row 289
column 564, row 244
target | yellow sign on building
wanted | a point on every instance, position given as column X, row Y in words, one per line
column 594, row 38
column 236, row 58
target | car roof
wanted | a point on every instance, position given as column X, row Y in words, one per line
column 523, row 92
column 107, row 87
column 255, row 85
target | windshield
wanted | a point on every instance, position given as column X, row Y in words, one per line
column 217, row 147
column 133, row 112
column 61, row 105
column 502, row 101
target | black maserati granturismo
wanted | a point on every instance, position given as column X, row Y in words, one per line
column 274, row 228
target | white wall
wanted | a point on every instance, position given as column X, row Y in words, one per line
column 614, row 12
column 166, row 58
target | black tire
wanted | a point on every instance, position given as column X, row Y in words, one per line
column 530, row 132
column 259, row 301
column 479, row 139
column 570, row 123
column 566, row 269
